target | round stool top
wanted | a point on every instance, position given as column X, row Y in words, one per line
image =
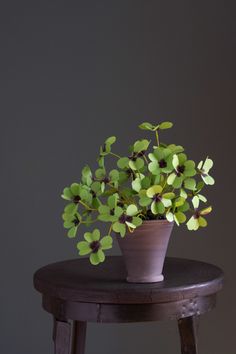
column 77, row 280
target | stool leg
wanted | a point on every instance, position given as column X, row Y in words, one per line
column 61, row 337
column 79, row 337
column 188, row 334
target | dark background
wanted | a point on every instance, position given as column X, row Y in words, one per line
column 73, row 73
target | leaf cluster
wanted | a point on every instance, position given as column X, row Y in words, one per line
column 155, row 181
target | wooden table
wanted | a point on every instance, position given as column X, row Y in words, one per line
column 75, row 293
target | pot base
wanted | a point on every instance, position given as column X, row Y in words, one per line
column 155, row 279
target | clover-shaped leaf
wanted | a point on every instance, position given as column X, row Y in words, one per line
column 204, row 168
column 94, row 246
column 198, row 220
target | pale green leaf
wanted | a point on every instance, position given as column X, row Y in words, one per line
column 195, row 202
column 94, row 259
column 206, row 211
column 146, row 126
column 106, row 242
column 123, row 162
column 202, row 221
column 132, row 210
column 156, row 189
column 88, row 237
column 83, row 248
column 101, row 255
column 96, row 235
column 72, row 232
column 165, row 125
column 193, row 223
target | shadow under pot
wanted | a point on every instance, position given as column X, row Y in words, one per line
column 144, row 251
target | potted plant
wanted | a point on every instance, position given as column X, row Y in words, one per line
column 149, row 190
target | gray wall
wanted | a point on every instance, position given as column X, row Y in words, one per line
column 73, row 73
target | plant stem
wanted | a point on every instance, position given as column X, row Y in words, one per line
column 157, row 137
column 110, row 230
column 113, row 154
column 90, row 222
column 86, row 206
column 145, row 159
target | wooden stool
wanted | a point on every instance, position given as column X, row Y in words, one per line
column 77, row 291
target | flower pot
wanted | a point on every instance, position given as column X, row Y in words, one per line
column 144, row 251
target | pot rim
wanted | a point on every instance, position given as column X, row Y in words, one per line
column 165, row 221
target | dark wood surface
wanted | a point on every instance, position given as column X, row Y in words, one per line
column 75, row 290
column 78, row 281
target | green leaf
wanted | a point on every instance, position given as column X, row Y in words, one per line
column 171, row 178
column 202, row 198
column 83, row 248
column 68, row 224
column 206, row 211
column 130, row 224
column 96, row 186
column 112, row 200
column 146, row 182
column 170, row 216
column 207, row 165
column 67, row 217
column 67, row 195
column 157, row 189
column 104, row 209
column 137, row 164
column 161, row 207
column 118, row 211
column 136, row 184
column 141, row 145
column 94, row 259
column 190, row 183
column 144, row 201
column 123, row 162
column 107, row 218
column 119, row 228
column 86, row 171
column 165, row 125
column 146, row 126
column 86, row 196
column 175, row 161
column 166, row 202
column 132, row 210
column 137, row 221
column 208, row 180
column 185, row 207
column 95, row 235
column 154, row 208
column 176, row 149
column 75, row 188
column 88, row 237
column 183, row 194
column 111, row 140
column 195, row 202
column 100, row 173
column 169, row 195
column 178, row 182
column 114, row 175
column 103, row 186
column 154, row 168
column 72, row 232
column 193, row 224
column 202, row 221
column 106, row 242
column 179, row 201
column 101, row 255
column 71, row 208
column 180, row 217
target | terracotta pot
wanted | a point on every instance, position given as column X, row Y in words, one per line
column 144, row 251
